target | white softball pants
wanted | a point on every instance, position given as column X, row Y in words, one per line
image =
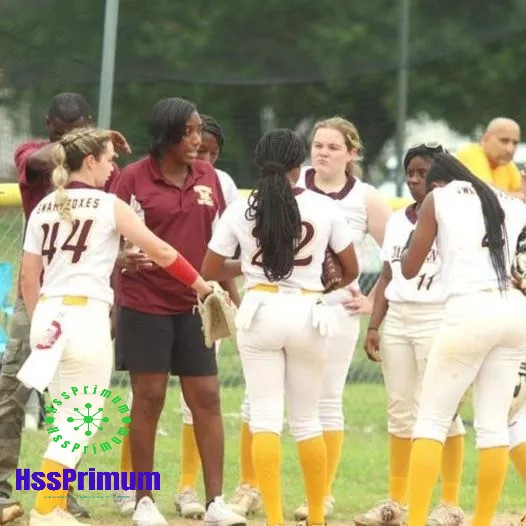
column 87, row 360
column 482, row 342
column 284, row 359
column 341, row 347
column 407, row 335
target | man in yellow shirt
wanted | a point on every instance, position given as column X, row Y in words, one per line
column 492, row 159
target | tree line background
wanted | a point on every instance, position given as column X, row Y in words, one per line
column 254, row 64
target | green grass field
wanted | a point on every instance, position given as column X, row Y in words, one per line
column 360, row 483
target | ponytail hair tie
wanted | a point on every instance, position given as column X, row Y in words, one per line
column 273, row 168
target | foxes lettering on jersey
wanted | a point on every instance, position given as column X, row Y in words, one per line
column 322, row 222
column 78, row 257
column 428, row 286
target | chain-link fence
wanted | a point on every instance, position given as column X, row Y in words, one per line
column 11, row 232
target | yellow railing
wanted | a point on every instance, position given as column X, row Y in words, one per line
column 10, row 197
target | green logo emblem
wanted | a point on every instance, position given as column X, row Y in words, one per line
column 90, row 419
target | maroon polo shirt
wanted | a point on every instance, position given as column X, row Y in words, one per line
column 184, row 218
column 34, row 186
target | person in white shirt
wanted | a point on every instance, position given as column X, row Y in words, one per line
column 72, row 239
column 335, row 173
column 283, row 232
column 483, row 336
column 412, row 312
column 212, row 141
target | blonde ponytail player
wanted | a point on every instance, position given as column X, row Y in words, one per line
column 73, row 238
column 283, row 323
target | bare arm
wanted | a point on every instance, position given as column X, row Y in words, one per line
column 30, row 273
column 380, row 303
column 421, row 240
column 349, row 262
column 219, row 268
column 231, row 287
column 161, row 253
column 39, row 162
column 378, row 212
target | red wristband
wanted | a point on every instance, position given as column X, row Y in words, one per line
column 182, row 270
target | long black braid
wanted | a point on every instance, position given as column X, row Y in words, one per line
column 272, row 203
column 446, row 168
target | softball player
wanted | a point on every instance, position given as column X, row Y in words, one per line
column 73, row 237
column 283, row 233
column 483, row 336
column 334, row 149
column 412, row 312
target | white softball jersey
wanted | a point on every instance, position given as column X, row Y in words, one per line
column 228, row 187
column 461, row 242
column 322, row 225
column 428, row 286
column 78, row 257
column 351, row 201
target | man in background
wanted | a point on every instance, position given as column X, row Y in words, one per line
column 492, row 159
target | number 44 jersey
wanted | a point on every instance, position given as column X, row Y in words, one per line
column 323, row 224
column 78, row 255
column 428, row 286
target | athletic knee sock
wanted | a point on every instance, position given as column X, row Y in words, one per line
column 518, row 456
column 424, row 467
column 126, row 461
column 190, row 459
column 452, row 462
column 266, row 456
column 313, row 459
column 493, row 463
column 248, row 475
column 47, row 500
column 399, row 457
column 333, row 445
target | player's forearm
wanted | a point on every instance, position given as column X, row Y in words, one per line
column 380, row 302
column 231, row 287
column 40, row 161
column 30, row 292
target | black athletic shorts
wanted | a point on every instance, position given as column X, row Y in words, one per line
column 156, row 343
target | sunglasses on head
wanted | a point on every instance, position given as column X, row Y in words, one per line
column 434, row 147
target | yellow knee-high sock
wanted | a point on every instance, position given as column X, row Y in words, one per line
column 248, row 475
column 126, row 461
column 190, row 459
column 452, row 462
column 493, row 464
column 399, row 456
column 47, row 500
column 266, row 456
column 333, row 444
column 313, row 459
column 423, row 472
column 518, row 455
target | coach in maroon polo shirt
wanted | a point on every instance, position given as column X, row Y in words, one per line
column 158, row 333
